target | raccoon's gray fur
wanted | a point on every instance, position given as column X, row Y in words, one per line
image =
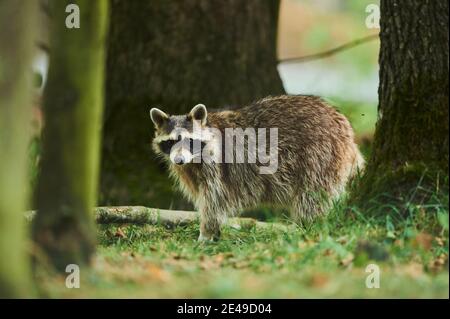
column 316, row 158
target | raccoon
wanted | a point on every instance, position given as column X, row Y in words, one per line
column 312, row 157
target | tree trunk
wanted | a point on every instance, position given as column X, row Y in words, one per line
column 17, row 25
column 174, row 55
column 73, row 102
column 411, row 145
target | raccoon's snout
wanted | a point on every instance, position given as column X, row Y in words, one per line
column 179, row 160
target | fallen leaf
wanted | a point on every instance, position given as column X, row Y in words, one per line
column 347, row 260
column 264, row 268
column 342, row 240
column 219, row 259
column 423, row 240
column 413, row 269
column 176, row 256
column 439, row 241
column 208, row 264
column 438, row 264
column 318, row 280
column 279, row 261
column 305, row 244
column 240, row 264
column 157, row 273
column 399, row 243
column 328, row 252
column 119, row 233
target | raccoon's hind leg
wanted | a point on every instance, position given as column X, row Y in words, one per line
column 306, row 206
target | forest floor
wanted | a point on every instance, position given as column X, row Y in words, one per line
column 325, row 259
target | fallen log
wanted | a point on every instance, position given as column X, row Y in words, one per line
column 140, row 215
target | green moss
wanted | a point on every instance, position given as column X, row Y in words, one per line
column 398, row 188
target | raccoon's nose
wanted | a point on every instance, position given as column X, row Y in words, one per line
column 179, row 159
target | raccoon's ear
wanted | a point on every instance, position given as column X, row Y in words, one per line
column 158, row 117
column 199, row 113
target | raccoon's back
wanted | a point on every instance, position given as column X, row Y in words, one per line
column 313, row 138
column 300, row 118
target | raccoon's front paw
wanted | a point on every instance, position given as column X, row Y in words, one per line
column 208, row 238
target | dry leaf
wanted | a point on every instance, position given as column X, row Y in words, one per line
column 423, row 240
column 342, row 240
column 413, row 269
column 208, row 264
column 176, row 256
column 328, row 252
column 264, row 268
column 240, row 264
column 399, row 243
column 220, row 258
column 305, row 244
column 119, row 233
column 439, row 241
column 438, row 264
column 318, row 280
column 279, row 261
column 157, row 272
column 347, row 260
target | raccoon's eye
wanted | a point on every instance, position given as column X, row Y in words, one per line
column 166, row 146
column 194, row 144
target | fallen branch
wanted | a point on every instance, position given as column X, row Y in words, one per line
column 140, row 215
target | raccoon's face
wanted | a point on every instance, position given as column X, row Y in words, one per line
column 180, row 138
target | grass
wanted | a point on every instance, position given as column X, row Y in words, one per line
column 326, row 258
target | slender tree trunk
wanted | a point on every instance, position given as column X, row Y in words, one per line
column 73, row 102
column 176, row 54
column 411, row 145
column 17, row 25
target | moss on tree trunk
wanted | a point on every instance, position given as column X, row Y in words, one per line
column 411, row 145
column 17, row 25
column 73, row 102
column 174, row 55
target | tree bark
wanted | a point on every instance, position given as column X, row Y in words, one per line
column 73, row 102
column 411, row 145
column 17, row 25
column 174, row 55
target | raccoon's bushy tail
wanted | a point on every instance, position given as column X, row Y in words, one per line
column 358, row 165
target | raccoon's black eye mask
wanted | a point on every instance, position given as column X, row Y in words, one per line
column 166, row 146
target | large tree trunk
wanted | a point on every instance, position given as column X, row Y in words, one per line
column 176, row 54
column 73, row 102
column 17, row 25
column 411, row 145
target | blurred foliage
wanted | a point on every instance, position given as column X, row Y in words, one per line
column 317, row 37
column 320, row 24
